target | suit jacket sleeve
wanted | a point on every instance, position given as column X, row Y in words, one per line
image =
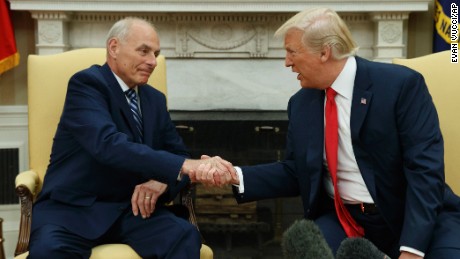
column 422, row 147
column 89, row 112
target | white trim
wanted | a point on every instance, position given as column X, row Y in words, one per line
column 10, row 215
column 14, row 132
column 13, row 116
column 217, row 5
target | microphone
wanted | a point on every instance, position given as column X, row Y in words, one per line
column 359, row 248
column 303, row 239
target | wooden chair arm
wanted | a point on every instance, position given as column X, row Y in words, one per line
column 187, row 200
column 26, row 188
column 2, row 251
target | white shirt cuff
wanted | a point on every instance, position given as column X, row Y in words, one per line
column 240, row 186
column 412, row 250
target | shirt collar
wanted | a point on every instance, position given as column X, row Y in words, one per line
column 343, row 84
column 123, row 85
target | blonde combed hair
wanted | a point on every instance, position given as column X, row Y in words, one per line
column 322, row 27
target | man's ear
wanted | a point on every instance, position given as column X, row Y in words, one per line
column 326, row 53
column 113, row 47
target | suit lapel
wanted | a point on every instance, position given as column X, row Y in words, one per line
column 315, row 124
column 120, row 98
column 362, row 97
column 315, row 142
column 146, row 108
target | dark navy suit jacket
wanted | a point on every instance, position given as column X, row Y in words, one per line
column 398, row 146
column 96, row 160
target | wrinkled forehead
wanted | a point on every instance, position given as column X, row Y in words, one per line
column 143, row 36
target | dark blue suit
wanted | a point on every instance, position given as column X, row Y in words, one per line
column 96, row 162
column 398, row 147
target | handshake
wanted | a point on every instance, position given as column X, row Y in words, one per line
column 210, row 171
column 213, row 171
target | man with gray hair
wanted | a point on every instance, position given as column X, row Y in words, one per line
column 364, row 148
column 116, row 160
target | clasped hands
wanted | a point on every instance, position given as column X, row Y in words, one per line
column 213, row 171
column 208, row 171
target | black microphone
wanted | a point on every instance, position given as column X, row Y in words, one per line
column 303, row 239
column 359, row 248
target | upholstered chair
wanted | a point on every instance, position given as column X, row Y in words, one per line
column 48, row 76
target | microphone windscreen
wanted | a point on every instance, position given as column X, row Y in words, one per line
column 359, row 248
column 303, row 239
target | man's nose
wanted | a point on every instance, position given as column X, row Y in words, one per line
column 287, row 61
column 152, row 60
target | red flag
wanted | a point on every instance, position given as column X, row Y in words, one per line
column 9, row 56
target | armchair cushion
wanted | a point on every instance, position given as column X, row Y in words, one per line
column 28, row 179
column 122, row 251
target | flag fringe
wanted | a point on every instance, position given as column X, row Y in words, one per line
column 9, row 62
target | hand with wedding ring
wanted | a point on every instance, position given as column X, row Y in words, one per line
column 145, row 197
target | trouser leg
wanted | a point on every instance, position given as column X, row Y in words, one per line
column 163, row 235
column 51, row 241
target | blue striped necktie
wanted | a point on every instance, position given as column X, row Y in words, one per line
column 133, row 104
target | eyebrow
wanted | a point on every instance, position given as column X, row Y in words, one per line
column 144, row 46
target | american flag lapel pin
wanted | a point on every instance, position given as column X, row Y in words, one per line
column 363, row 101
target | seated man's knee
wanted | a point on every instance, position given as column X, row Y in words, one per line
column 45, row 249
column 54, row 242
column 191, row 234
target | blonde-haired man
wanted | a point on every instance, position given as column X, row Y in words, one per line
column 364, row 148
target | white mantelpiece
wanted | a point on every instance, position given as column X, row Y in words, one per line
column 236, row 6
column 221, row 54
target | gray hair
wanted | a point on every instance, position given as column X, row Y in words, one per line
column 120, row 29
column 322, row 27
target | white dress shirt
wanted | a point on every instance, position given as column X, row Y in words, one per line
column 124, row 88
column 351, row 184
column 352, row 188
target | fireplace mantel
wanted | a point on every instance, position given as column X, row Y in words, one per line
column 218, row 5
column 217, row 28
column 221, row 54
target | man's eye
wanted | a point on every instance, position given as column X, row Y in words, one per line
column 144, row 51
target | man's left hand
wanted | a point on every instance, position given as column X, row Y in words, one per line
column 145, row 197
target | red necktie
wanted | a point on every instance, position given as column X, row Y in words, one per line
column 352, row 229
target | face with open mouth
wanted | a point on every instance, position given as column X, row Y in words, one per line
column 308, row 65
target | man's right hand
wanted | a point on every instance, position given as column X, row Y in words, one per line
column 407, row 255
column 210, row 171
column 215, row 176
